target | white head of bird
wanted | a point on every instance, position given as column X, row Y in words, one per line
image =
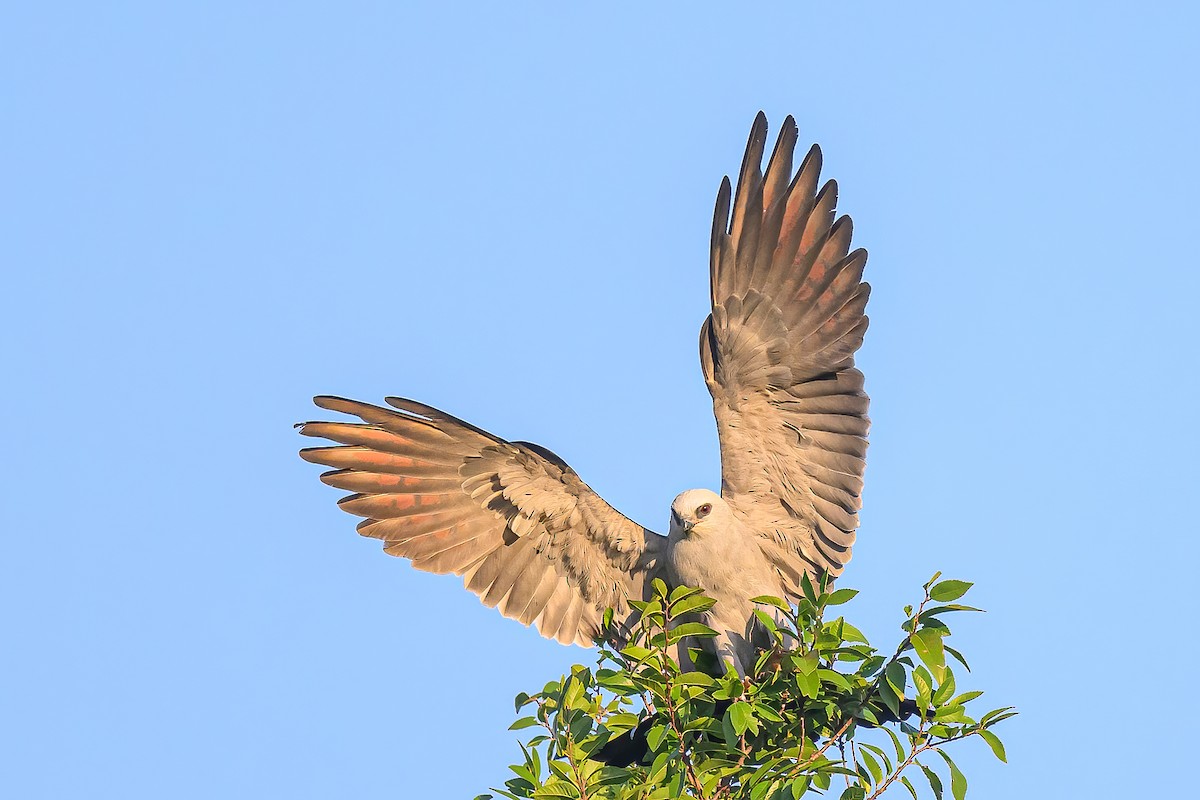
column 696, row 512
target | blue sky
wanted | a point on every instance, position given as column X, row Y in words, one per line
column 211, row 212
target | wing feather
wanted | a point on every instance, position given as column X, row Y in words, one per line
column 788, row 315
column 520, row 527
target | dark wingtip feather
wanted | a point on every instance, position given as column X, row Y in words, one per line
column 330, row 401
column 755, row 145
column 720, row 229
column 413, row 407
column 435, row 417
column 813, row 157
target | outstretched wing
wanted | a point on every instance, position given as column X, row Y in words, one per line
column 527, row 535
column 778, row 357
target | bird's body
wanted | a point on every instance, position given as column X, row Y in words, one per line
column 720, row 554
column 777, row 352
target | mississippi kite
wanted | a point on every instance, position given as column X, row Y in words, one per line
column 533, row 540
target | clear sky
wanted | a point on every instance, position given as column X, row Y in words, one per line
column 210, row 212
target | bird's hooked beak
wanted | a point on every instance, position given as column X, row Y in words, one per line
column 680, row 522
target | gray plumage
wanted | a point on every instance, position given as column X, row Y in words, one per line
column 777, row 352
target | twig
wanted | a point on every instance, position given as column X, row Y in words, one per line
column 929, row 745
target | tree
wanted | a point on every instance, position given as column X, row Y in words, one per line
column 831, row 709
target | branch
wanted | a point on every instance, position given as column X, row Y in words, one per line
column 929, row 745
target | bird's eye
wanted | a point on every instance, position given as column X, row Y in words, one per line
column 704, row 510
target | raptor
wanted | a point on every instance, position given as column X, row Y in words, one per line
column 531, row 539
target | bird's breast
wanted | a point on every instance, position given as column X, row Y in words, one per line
column 724, row 569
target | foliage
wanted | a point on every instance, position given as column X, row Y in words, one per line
column 803, row 723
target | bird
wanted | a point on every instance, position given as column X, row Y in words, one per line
column 531, row 539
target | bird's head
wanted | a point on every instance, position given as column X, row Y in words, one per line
column 697, row 511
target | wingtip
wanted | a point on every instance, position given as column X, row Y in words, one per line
column 789, row 132
column 311, row 454
column 330, row 402
column 304, row 428
column 758, row 136
column 410, row 406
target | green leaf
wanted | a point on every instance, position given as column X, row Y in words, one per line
column 655, row 737
column 865, row 712
column 872, row 665
column 836, row 678
column 872, row 765
column 946, row 687
column 895, row 744
column 896, row 677
column 935, row 783
column 557, row 790
column 958, row 781
column 808, row 663
column 766, row 620
column 840, row 596
column 946, row 609
column 923, row 682
column 930, row 649
column 958, row 657
column 767, row 599
column 887, row 762
column 994, row 742
column 636, row 652
column 949, row 590
column 559, row 769
column 611, row 776
column 741, row 716
column 692, row 604
column 731, row 687
column 680, row 592
column 853, row 793
column 619, row 723
column 696, row 678
column 994, row 715
column 809, row 684
column 764, row 711
column 806, row 587
column 846, row 631
column 522, row 723
column 950, row 714
column 908, row 785
column 689, row 629
column 658, row 769
column 573, row 694
column 889, row 697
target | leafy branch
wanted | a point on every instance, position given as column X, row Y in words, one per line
column 640, row 726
